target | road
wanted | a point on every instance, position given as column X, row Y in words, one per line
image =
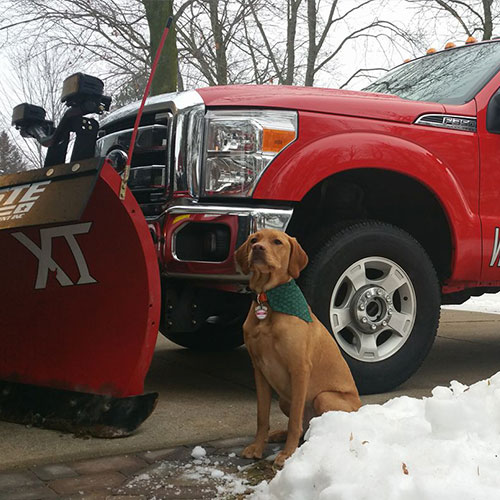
column 208, row 396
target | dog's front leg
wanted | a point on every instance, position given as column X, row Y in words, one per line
column 263, row 410
column 299, row 382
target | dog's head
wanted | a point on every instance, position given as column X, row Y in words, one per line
column 271, row 251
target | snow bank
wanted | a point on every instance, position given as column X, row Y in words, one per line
column 446, row 447
column 487, row 303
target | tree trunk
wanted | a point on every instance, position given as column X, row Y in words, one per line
column 220, row 48
column 488, row 21
column 293, row 7
column 157, row 12
column 312, row 50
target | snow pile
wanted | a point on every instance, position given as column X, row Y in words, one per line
column 487, row 303
column 446, row 447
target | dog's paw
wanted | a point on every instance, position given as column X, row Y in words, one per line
column 252, row 451
column 279, row 461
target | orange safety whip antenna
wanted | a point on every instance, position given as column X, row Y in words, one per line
column 126, row 172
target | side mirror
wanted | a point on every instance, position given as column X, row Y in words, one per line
column 493, row 114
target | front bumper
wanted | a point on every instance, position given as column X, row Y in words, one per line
column 198, row 240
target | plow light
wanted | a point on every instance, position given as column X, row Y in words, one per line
column 27, row 114
column 30, row 121
column 85, row 90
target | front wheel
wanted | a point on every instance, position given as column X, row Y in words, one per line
column 376, row 290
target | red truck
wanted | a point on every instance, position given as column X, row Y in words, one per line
column 392, row 191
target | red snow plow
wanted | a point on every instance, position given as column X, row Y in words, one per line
column 80, row 286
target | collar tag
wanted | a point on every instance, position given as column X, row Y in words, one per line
column 261, row 312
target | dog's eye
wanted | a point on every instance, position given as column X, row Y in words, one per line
column 253, row 240
column 278, row 242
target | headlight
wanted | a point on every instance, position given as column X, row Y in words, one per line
column 240, row 145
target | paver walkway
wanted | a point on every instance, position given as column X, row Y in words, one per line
column 151, row 475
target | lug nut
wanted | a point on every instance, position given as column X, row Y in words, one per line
column 364, row 320
column 389, row 311
column 379, row 292
column 374, row 327
column 389, row 300
column 361, row 307
column 368, row 295
column 384, row 323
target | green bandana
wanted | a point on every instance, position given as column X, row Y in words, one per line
column 289, row 299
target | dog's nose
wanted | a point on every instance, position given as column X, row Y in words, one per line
column 258, row 248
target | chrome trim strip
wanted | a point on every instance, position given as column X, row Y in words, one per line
column 173, row 101
column 452, row 122
column 260, row 218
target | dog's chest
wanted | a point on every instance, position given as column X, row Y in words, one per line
column 266, row 358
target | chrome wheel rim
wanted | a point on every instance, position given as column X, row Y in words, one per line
column 373, row 309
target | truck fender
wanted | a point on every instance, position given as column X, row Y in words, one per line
column 300, row 167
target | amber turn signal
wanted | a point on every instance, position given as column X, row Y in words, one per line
column 275, row 140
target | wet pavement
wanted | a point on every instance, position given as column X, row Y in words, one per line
column 208, row 399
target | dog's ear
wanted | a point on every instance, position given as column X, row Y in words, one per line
column 241, row 256
column 298, row 258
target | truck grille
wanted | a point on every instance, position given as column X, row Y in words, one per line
column 149, row 179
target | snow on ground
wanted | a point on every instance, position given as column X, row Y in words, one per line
column 446, row 447
column 487, row 303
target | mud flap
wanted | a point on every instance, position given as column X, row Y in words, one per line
column 80, row 301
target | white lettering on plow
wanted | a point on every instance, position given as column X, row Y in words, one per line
column 44, row 254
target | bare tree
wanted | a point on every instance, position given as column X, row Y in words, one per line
column 207, row 37
column 472, row 17
column 121, row 34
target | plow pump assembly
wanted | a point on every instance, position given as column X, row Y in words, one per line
column 80, row 281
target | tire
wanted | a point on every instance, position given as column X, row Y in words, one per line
column 224, row 334
column 375, row 289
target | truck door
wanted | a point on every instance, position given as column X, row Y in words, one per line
column 488, row 129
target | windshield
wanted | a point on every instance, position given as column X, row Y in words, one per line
column 454, row 76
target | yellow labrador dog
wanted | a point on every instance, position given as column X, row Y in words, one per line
column 291, row 351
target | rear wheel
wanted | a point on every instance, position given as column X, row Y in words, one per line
column 376, row 290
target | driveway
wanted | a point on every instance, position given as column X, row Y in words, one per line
column 208, row 396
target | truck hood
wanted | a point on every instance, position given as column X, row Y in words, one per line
column 320, row 100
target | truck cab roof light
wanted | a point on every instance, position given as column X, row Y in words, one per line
column 449, row 45
column 471, row 39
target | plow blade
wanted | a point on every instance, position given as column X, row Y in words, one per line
column 80, row 301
